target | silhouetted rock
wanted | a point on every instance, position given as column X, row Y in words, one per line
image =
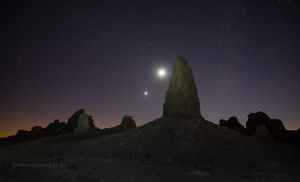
column 72, row 121
column 79, row 121
column 37, row 132
column 232, row 123
column 256, row 125
column 127, row 123
column 56, row 128
column 36, row 129
column 255, row 120
column 181, row 98
column 274, row 126
column 21, row 136
column 23, row 133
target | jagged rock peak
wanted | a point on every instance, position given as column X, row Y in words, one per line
column 181, row 99
column 127, row 122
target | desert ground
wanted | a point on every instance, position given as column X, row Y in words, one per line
column 161, row 150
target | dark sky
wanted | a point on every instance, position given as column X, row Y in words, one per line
column 60, row 56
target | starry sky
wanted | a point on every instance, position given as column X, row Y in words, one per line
column 101, row 55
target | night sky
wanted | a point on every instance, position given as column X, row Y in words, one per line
column 60, row 56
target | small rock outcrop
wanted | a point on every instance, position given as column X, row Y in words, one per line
column 55, row 128
column 232, row 123
column 255, row 120
column 127, row 123
column 23, row 133
column 83, row 123
column 274, row 126
column 181, row 99
column 37, row 131
column 72, row 121
column 264, row 128
column 80, row 121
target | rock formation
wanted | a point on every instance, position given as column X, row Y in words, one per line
column 274, row 126
column 55, row 128
column 232, row 123
column 127, row 123
column 23, row 133
column 84, row 123
column 85, row 120
column 21, row 136
column 181, row 99
column 263, row 127
column 37, row 131
column 79, row 121
column 72, row 121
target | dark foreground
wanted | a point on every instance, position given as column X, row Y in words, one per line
column 162, row 150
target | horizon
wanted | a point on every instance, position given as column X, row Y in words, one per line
column 115, row 121
column 103, row 56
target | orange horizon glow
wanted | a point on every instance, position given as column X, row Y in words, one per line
column 12, row 130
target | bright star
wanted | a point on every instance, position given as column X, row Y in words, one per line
column 146, row 93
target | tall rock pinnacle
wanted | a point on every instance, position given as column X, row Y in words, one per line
column 181, row 99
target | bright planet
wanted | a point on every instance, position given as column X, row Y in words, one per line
column 146, row 93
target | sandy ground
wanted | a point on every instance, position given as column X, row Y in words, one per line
column 100, row 169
